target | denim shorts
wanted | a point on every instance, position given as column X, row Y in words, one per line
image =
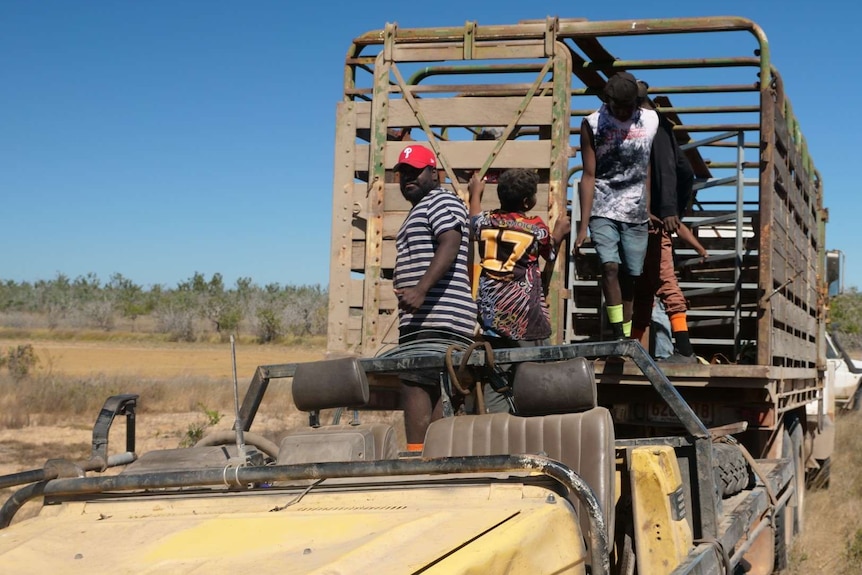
column 621, row 243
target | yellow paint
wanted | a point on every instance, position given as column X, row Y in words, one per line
column 464, row 529
column 661, row 542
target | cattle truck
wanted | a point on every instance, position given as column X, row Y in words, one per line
column 758, row 304
column 605, row 466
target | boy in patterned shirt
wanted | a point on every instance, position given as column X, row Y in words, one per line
column 512, row 307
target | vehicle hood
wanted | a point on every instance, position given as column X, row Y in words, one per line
column 489, row 529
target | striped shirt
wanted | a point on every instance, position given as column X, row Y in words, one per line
column 449, row 304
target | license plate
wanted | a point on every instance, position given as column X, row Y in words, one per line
column 661, row 412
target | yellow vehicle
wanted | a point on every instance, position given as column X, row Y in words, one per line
column 606, row 466
column 550, row 490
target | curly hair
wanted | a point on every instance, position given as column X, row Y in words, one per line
column 514, row 186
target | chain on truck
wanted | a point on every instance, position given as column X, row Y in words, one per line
column 606, row 466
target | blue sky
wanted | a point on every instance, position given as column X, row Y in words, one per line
column 161, row 138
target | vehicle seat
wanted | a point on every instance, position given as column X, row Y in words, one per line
column 557, row 416
column 332, row 384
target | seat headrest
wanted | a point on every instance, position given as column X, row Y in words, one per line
column 554, row 387
column 329, row 384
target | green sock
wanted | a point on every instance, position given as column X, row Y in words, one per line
column 615, row 313
column 627, row 329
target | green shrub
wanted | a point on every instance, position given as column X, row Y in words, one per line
column 196, row 431
column 20, row 361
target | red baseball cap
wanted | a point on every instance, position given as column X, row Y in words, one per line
column 416, row 156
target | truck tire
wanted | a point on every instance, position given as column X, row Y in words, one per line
column 782, row 551
column 797, row 445
column 732, row 473
column 856, row 403
column 819, row 478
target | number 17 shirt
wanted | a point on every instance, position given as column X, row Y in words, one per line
column 510, row 297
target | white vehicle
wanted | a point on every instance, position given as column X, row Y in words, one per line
column 847, row 377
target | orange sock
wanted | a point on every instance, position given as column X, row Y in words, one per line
column 415, row 446
column 678, row 322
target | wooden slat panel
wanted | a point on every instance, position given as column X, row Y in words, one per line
column 787, row 346
column 403, row 52
column 469, row 155
column 396, row 208
column 426, row 53
column 385, row 295
column 802, row 199
column 387, row 256
column 783, row 177
column 467, row 111
column 797, row 205
column 779, row 255
column 782, row 136
column 788, row 313
column 387, row 330
column 508, row 50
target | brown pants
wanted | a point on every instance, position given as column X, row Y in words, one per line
column 658, row 279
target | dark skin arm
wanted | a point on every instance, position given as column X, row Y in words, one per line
column 671, row 224
column 688, row 237
column 448, row 243
column 559, row 235
column 588, row 183
column 476, row 187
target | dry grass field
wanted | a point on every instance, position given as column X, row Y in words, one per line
column 832, row 540
column 181, row 386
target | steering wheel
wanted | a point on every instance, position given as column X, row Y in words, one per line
column 228, row 437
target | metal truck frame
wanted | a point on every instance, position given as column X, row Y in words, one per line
column 758, row 306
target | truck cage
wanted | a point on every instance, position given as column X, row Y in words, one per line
column 757, row 208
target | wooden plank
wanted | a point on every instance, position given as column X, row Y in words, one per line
column 499, row 50
column 387, row 255
column 386, row 335
column 793, row 349
column 767, row 197
column 342, row 225
column 779, row 256
column 462, row 111
column 782, row 136
column 783, row 178
column 385, row 295
column 396, row 208
column 797, row 183
column 354, row 332
column 788, row 313
column 394, row 201
column 470, row 155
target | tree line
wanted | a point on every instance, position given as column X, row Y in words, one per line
column 845, row 317
column 270, row 313
column 197, row 304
